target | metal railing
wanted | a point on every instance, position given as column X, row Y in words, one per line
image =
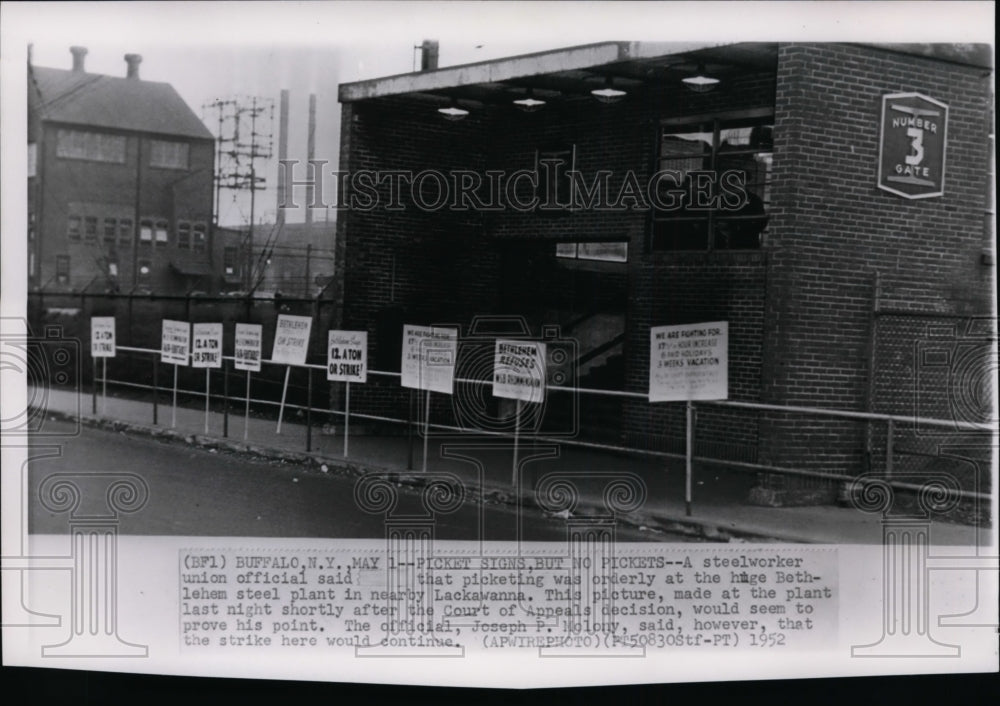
column 688, row 456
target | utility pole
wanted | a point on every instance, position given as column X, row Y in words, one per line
column 245, row 127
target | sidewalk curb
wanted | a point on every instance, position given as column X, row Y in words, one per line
column 500, row 494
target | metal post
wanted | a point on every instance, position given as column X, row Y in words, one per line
column 409, row 432
column 427, row 425
column 688, row 456
column 309, row 405
column 156, row 390
column 93, row 387
column 225, row 400
column 207, row 397
column 246, row 412
column 284, row 391
column 889, row 427
column 104, row 385
column 347, row 415
column 517, row 429
column 173, row 414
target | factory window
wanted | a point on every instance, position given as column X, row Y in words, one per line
column 603, row 251
column 62, row 269
column 145, row 231
column 184, row 235
column 162, row 233
column 230, row 261
column 93, row 146
column 90, row 230
column 168, row 155
column 125, row 233
column 110, row 231
column 713, row 184
column 198, row 237
column 145, row 267
column 74, row 225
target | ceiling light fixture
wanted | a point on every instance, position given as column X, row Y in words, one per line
column 701, row 82
column 529, row 104
column 453, row 112
column 608, row 94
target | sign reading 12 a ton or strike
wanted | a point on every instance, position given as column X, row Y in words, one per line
column 912, row 148
column 102, row 336
column 206, row 346
column 689, row 362
column 347, row 356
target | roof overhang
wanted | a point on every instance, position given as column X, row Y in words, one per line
column 575, row 70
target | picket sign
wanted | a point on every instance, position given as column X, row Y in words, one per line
column 291, row 343
column 246, row 356
column 429, row 354
column 519, row 374
column 206, row 353
column 102, row 345
column 174, row 348
column 347, row 361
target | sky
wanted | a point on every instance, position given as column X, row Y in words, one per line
column 224, row 49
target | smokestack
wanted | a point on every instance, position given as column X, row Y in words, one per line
column 79, row 54
column 429, row 55
column 282, row 156
column 133, row 61
column 311, row 150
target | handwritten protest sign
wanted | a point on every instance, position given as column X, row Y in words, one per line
column 247, row 345
column 206, row 348
column 347, row 356
column 102, row 336
column 519, row 370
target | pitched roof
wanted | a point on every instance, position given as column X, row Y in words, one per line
column 96, row 100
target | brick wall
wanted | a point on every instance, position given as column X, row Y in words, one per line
column 832, row 230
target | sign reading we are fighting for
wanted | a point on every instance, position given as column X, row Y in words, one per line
column 429, row 354
column 689, row 362
column 291, row 339
column 519, row 370
column 206, row 347
column 176, row 342
column 102, row 336
column 246, row 351
column 347, row 356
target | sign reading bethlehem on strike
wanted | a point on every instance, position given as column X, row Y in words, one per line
column 912, row 148
column 246, row 351
column 291, row 339
column 347, row 356
column 689, row 362
column 429, row 355
column 519, row 370
column 206, row 346
column 102, row 336
column 176, row 342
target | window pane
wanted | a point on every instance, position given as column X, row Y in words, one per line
column 90, row 229
column 198, row 236
column 73, row 225
column 125, row 232
column 565, row 249
column 609, row 252
column 110, row 231
column 184, row 234
column 169, row 155
column 95, row 146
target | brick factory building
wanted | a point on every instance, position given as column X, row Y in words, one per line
column 119, row 184
column 853, row 219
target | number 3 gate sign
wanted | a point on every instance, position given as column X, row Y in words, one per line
column 912, row 148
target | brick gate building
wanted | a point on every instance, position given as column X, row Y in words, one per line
column 800, row 251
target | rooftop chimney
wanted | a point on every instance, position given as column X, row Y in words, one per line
column 429, row 55
column 133, row 61
column 79, row 53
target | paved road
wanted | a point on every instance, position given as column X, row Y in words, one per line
column 196, row 492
